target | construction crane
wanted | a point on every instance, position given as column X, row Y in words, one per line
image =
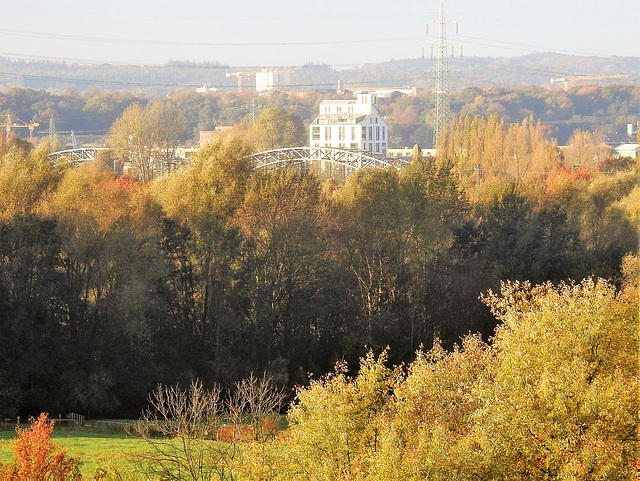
column 240, row 75
column 579, row 78
column 13, row 123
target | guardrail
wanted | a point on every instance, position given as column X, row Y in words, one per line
column 72, row 419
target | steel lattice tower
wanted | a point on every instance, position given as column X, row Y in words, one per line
column 442, row 114
column 52, row 132
column 252, row 111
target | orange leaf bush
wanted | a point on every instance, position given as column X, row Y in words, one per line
column 34, row 457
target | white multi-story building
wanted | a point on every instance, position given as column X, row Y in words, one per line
column 353, row 124
column 268, row 80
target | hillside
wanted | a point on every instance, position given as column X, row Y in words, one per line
column 532, row 69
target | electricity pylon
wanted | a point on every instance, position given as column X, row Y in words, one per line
column 442, row 115
column 252, row 111
column 52, row 132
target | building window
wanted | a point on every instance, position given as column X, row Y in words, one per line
column 316, row 145
column 383, row 132
column 338, row 110
column 354, row 145
column 377, row 133
column 376, row 120
column 341, row 133
column 353, row 133
column 327, row 133
column 377, row 146
column 341, row 144
column 315, row 133
column 370, row 146
column 350, row 109
column 370, row 133
column 364, row 133
column 327, row 110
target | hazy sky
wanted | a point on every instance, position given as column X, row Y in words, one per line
column 292, row 33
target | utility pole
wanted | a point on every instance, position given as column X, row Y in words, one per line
column 52, row 132
column 442, row 115
column 252, row 111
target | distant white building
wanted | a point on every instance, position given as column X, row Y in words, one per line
column 268, row 80
column 629, row 151
column 407, row 152
column 206, row 88
column 353, row 124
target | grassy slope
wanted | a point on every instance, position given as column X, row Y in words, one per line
column 94, row 448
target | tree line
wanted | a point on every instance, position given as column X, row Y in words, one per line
column 553, row 395
column 109, row 285
column 607, row 109
column 532, row 69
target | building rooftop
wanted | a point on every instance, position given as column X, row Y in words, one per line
column 339, row 119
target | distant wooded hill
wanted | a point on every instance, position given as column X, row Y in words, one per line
column 532, row 69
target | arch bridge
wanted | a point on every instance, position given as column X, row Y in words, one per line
column 75, row 156
column 323, row 161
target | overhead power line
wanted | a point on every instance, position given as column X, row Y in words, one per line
column 183, row 43
column 95, row 81
column 487, row 42
column 355, row 83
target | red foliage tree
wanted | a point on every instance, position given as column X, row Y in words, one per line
column 34, row 457
column 127, row 184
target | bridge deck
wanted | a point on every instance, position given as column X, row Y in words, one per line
column 75, row 155
column 325, row 161
column 330, row 161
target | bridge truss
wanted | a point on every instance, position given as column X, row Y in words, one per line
column 323, row 161
column 75, row 156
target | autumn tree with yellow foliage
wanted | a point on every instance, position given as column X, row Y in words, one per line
column 26, row 179
column 485, row 147
column 146, row 137
column 553, row 396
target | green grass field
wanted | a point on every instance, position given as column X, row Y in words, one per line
column 94, row 447
column 111, row 448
